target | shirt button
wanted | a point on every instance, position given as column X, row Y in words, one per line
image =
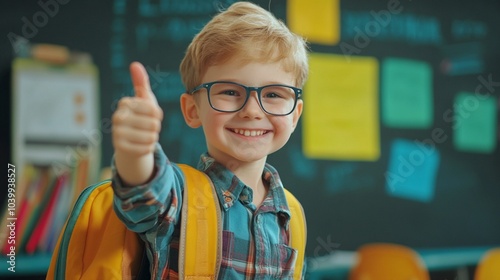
column 227, row 196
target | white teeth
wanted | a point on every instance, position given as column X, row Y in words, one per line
column 249, row 132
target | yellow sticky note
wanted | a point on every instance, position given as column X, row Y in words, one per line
column 318, row 21
column 341, row 117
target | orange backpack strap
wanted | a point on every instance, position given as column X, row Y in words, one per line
column 298, row 232
column 201, row 227
column 95, row 244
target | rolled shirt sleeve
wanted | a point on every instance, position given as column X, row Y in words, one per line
column 142, row 208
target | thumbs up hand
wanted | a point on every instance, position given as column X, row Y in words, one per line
column 140, row 80
column 136, row 128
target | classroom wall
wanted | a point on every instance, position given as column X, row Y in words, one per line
column 399, row 137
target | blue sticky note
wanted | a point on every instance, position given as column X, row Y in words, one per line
column 412, row 170
column 407, row 100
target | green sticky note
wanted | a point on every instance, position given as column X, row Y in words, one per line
column 474, row 128
column 406, row 93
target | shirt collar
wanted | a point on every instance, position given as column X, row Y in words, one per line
column 229, row 188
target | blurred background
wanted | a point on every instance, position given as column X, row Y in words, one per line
column 397, row 145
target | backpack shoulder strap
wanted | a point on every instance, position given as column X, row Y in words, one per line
column 298, row 230
column 95, row 244
column 201, row 225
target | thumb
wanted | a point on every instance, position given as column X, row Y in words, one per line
column 140, row 81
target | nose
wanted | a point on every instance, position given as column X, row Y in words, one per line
column 252, row 108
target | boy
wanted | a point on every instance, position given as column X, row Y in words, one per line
column 243, row 73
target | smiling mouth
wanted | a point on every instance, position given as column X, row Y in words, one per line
column 249, row 132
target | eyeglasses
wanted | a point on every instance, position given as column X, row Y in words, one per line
column 276, row 99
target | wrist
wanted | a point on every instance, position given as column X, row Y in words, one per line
column 134, row 171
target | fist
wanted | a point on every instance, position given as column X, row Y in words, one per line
column 137, row 119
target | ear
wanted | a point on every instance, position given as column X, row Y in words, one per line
column 297, row 113
column 190, row 110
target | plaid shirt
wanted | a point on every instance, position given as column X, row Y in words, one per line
column 254, row 240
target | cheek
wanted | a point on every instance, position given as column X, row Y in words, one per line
column 283, row 126
column 212, row 122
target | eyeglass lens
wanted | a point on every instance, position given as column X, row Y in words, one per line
column 278, row 100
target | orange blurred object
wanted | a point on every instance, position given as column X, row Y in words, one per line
column 385, row 261
column 489, row 266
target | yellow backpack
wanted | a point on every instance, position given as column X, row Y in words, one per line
column 95, row 244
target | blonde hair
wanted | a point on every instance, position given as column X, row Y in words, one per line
column 251, row 33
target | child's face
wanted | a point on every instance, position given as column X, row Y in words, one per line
column 250, row 134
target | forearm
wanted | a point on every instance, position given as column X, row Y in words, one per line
column 141, row 206
column 134, row 171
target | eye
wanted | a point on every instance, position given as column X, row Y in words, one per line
column 227, row 89
column 230, row 92
column 278, row 92
column 273, row 95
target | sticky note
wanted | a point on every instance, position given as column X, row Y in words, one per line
column 341, row 117
column 412, row 170
column 406, row 94
column 317, row 21
column 474, row 129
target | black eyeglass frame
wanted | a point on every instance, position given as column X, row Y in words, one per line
column 298, row 95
